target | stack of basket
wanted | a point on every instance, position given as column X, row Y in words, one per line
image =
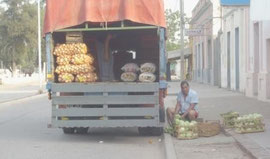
column 74, row 64
column 130, row 72
column 229, row 119
column 208, row 129
column 250, row 123
column 185, row 130
column 147, row 72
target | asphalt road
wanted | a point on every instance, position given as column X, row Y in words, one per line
column 24, row 135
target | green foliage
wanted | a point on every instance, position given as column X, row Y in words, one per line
column 173, row 29
column 18, row 34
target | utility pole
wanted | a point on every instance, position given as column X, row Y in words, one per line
column 39, row 50
column 182, row 40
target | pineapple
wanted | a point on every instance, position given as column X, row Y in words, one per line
column 63, row 60
column 65, row 78
column 87, row 77
column 79, row 59
column 70, row 49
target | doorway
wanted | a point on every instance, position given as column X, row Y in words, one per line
column 229, row 60
column 209, row 48
column 237, row 65
column 256, row 56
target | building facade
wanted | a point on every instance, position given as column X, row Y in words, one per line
column 235, row 47
column 206, row 53
column 258, row 61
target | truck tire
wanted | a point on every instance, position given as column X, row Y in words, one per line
column 157, row 131
column 150, row 131
column 82, row 130
column 144, row 131
column 68, row 130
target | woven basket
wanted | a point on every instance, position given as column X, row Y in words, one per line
column 229, row 119
column 208, row 129
column 186, row 138
column 244, row 131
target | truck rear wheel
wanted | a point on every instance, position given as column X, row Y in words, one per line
column 144, row 131
column 68, row 130
column 150, row 131
column 82, row 130
column 157, row 131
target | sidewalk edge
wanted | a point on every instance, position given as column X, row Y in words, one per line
column 22, row 98
column 169, row 147
column 247, row 145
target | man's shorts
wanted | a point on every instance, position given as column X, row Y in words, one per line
column 196, row 114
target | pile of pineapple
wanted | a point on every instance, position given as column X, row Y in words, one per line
column 74, row 63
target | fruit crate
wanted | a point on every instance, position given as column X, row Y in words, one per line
column 74, row 37
column 209, row 128
column 229, row 119
column 250, row 129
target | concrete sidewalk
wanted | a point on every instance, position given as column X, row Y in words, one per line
column 212, row 102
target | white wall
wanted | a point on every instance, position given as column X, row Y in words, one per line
column 264, row 61
column 265, row 64
column 259, row 10
column 235, row 18
column 216, row 17
column 209, row 19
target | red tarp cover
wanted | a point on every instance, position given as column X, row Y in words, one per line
column 67, row 13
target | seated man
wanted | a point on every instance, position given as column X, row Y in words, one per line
column 187, row 104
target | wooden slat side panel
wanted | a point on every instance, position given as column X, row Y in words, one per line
column 110, row 112
column 116, row 99
column 105, row 87
column 79, row 112
column 106, row 123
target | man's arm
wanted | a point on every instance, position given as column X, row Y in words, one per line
column 191, row 107
column 177, row 107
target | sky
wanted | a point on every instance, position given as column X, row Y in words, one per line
column 175, row 5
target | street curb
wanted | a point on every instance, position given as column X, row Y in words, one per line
column 17, row 99
column 247, row 145
column 169, row 147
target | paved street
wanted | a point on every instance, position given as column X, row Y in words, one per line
column 212, row 102
column 24, row 135
column 24, row 132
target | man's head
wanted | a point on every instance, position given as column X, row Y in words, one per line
column 185, row 87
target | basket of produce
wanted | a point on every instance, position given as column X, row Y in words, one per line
column 74, row 63
column 229, row 118
column 185, row 130
column 86, row 77
column 128, row 76
column 209, row 128
column 250, row 123
column 147, row 77
column 148, row 67
column 130, row 67
column 65, row 78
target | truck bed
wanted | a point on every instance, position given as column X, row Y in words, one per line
column 112, row 104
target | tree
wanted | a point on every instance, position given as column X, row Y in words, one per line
column 173, row 29
column 18, row 34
